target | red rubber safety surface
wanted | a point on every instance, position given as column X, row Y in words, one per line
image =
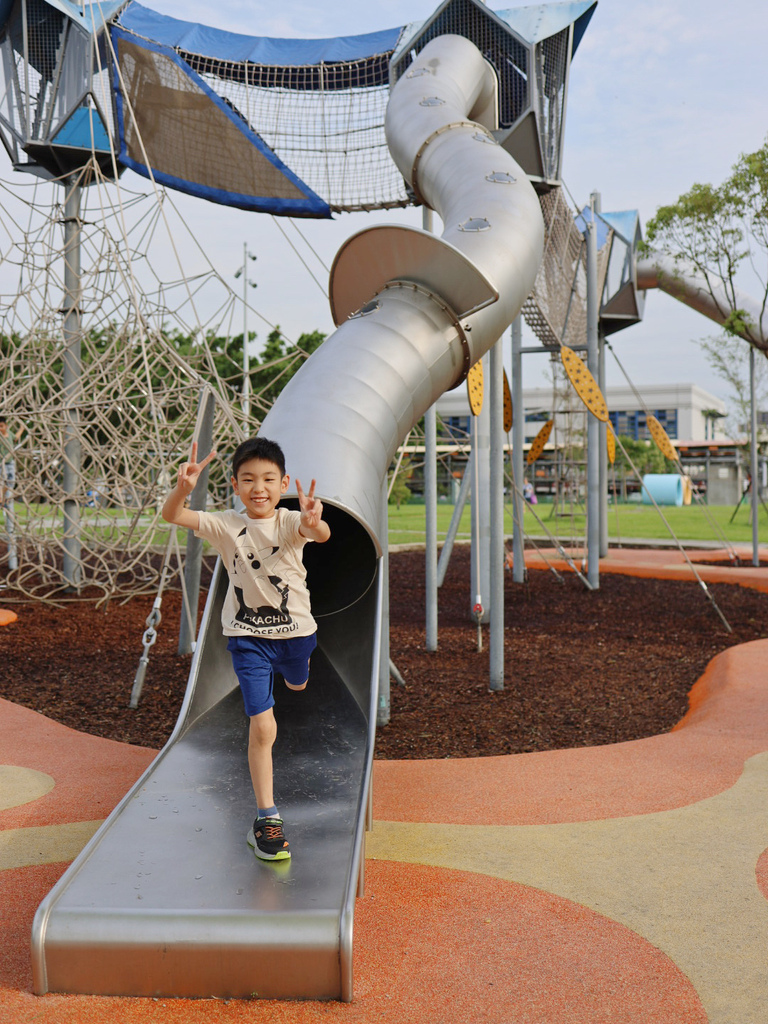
column 432, row 945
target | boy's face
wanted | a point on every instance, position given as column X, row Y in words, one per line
column 259, row 486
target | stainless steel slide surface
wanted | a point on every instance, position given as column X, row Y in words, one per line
column 167, row 899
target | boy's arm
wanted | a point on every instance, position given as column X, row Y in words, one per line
column 174, row 510
column 313, row 526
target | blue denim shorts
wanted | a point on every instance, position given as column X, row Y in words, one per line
column 256, row 659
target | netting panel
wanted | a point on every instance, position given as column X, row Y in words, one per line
column 551, row 67
column 556, row 309
column 184, row 135
column 498, row 45
column 325, row 122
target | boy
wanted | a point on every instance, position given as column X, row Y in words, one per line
column 266, row 614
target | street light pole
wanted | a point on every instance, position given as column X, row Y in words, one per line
column 246, row 377
column 246, row 365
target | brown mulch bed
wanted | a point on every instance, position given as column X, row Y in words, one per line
column 582, row 668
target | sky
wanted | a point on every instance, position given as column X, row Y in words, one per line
column 663, row 94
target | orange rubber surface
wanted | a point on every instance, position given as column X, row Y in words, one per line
column 453, row 928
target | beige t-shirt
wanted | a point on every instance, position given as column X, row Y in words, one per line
column 267, row 594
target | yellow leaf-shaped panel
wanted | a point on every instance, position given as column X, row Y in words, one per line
column 507, row 405
column 539, row 441
column 475, row 388
column 660, row 436
column 584, row 384
column 611, row 443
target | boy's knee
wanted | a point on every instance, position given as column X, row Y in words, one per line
column 263, row 728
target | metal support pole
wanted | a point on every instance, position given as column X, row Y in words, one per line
column 593, row 424
column 430, row 503
column 518, row 441
column 197, row 500
column 10, row 530
column 603, row 443
column 755, row 482
column 72, row 565
column 453, row 527
column 383, row 706
column 481, row 520
column 246, row 367
column 496, row 593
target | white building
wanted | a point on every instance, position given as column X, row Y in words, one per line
column 687, row 412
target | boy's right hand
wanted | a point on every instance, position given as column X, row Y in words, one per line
column 190, row 471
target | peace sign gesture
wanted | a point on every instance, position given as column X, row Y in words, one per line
column 311, row 507
column 190, row 471
column 312, row 524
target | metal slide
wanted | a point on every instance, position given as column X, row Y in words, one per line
column 167, row 899
column 710, row 297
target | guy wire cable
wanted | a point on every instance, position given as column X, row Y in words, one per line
column 555, row 541
column 732, row 553
column 682, row 550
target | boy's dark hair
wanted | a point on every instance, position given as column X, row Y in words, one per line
column 258, row 448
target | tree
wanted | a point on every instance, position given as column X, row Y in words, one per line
column 645, row 457
column 722, row 233
column 401, row 492
column 279, row 363
column 729, row 358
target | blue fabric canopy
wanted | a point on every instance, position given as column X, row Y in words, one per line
column 193, row 140
column 624, row 222
column 231, row 46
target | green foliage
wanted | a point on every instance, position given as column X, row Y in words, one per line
column 401, row 492
column 720, row 231
column 219, row 357
column 278, row 364
column 729, row 358
column 723, row 231
column 645, row 456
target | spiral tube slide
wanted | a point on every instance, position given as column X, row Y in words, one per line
column 167, row 899
column 342, row 419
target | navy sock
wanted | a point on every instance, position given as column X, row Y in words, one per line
column 267, row 812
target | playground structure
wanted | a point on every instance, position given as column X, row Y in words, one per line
column 469, row 147
column 92, row 380
column 430, row 346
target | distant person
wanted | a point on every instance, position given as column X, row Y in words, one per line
column 266, row 614
column 8, row 445
column 529, row 494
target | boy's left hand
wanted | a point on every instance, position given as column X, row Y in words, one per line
column 311, row 507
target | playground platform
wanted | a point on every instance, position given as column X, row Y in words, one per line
column 621, row 883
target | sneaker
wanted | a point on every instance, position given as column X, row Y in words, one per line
column 268, row 839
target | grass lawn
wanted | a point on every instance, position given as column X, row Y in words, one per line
column 406, row 524
column 690, row 523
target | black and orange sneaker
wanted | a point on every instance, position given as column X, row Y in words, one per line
column 268, row 839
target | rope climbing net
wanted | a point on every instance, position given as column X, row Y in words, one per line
column 146, row 350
